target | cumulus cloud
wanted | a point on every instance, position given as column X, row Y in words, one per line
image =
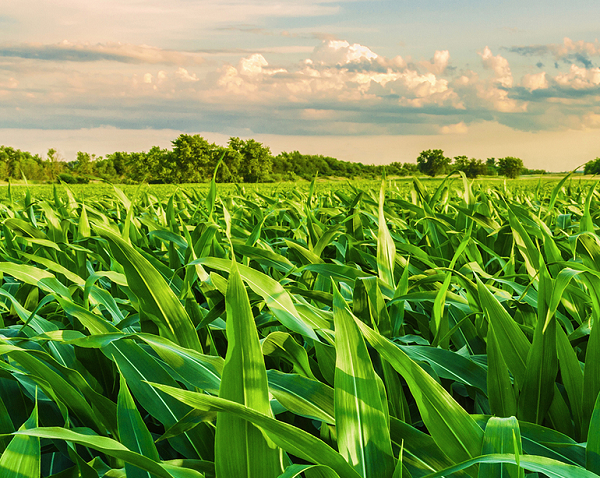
column 339, row 88
column 439, row 63
column 579, row 78
column 183, row 75
column 86, row 52
column 536, row 81
column 340, row 52
column 499, row 65
column 342, row 72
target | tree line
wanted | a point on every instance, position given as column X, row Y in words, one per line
column 433, row 163
column 193, row 159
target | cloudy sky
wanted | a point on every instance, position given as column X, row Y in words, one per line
column 373, row 81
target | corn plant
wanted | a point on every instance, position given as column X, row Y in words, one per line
column 407, row 330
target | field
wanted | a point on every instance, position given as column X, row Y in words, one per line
column 374, row 329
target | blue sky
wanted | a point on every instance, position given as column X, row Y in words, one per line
column 373, row 81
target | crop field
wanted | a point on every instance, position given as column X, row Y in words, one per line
column 372, row 329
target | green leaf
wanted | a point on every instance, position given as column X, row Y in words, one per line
column 386, row 249
column 572, row 376
column 502, row 435
column 34, row 276
column 240, row 448
column 138, row 367
column 501, row 395
column 537, row 391
column 303, row 396
column 591, row 376
column 515, row 346
column 292, row 439
column 282, row 344
column 310, row 471
column 104, row 445
column 276, row 297
column 539, row 464
column 449, row 424
column 592, row 450
column 361, row 424
column 156, row 298
column 22, row 456
column 133, row 432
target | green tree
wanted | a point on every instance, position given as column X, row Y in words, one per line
column 592, row 167
column 105, row 169
column 433, row 162
column 256, row 159
column 461, row 163
column 471, row 167
column 492, row 168
column 192, row 160
column 54, row 164
column 510, row 167
column 229, row 171
column 83, row 164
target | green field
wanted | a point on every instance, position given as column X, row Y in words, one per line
column 374, row 329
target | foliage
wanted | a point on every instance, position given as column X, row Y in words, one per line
column 419, row 328
column 471, row 167
column 592, row 167
column 70, row 179
column 492, row 168
column 527, row 171
column 433, row 162
column 510, row 167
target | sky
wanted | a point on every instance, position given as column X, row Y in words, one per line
column 371, row 81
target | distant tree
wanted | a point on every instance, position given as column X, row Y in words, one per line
column 492, row 169
column 510, row 167
column 229, row 171
column 83, row 164
column 119, row 162
column 54, row 164
column 433, row 162
column 192, row 160
column 461, row 163
column 471, row 167
column 525, row 171
column 592, row 167
column 477, row 168
column 104, row 168
column 256, row 160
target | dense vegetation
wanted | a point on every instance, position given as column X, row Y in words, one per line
column 193, row 160
column 405, row 332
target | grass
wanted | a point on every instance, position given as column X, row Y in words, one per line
column 389, row 329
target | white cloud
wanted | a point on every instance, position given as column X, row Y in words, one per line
column 499, row 65
column 439, row 63
column 341, row 88
column 499, row 99
column 184, row 75
column 343, row 72
column 458, row 128
column 579, row 78
column 569, row 47
column 340, row 52
column 536, row 81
